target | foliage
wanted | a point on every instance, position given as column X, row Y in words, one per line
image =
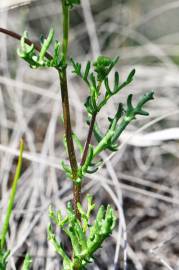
column 28, row 52
column 102, row 67
column 94, row 103
column 85, row 238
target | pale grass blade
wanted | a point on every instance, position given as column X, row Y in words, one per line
column 11, row 4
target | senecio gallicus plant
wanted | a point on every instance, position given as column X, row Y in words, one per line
column 85, row 237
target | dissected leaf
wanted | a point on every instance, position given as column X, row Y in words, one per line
column 85, row 238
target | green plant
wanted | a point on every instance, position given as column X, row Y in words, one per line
column 86, row 237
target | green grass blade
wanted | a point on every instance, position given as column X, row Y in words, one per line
column 12, row 197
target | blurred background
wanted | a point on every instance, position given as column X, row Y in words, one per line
column 141, row 179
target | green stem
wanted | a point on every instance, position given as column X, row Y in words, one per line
column 12, row 197
column 101, row 146
column 125, row 122
column 111, row 134
column 65, row 29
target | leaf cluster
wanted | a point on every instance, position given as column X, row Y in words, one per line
column 85, row 238
column 124, row 115
column 36, row 60
column 94, row 75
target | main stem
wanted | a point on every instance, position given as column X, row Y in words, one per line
column 66, row 112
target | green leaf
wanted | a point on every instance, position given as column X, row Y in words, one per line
column 97, row 133
column 86, row 73
column 116, row 81
column 108, row 90
column 85, row 238
column 93, row 86
column 26, row 52
column 4, row 254
column 66, row 168
column 77, row 67
column 88, row 159
column 45, row 46
column 129, row 103
column 131, row 112
column 36, row 60
column 27, row 263
column 78, row 142
column 91, row 105
column 67, row 263
column 131, row 76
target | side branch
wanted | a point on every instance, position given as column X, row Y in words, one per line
column 88, row 140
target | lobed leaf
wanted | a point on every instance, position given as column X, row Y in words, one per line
column 85, row 238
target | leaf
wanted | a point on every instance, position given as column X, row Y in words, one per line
column 27, row 263
column 113, row 147
column 46, row 44
column 108, row 90
column 116, row 81
column 97, row 133
column 92, row 170
column 85, row 238
column 42, row 38
column 88, row 159
column 93, row 87
column 66, row 168
column 77, row 67
column 129, row 103
column 27, row 52
column 131, row 113
column 78, row 142
column 90, row 105
column 113, row 63
column 86, row 73
column 131, row 76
